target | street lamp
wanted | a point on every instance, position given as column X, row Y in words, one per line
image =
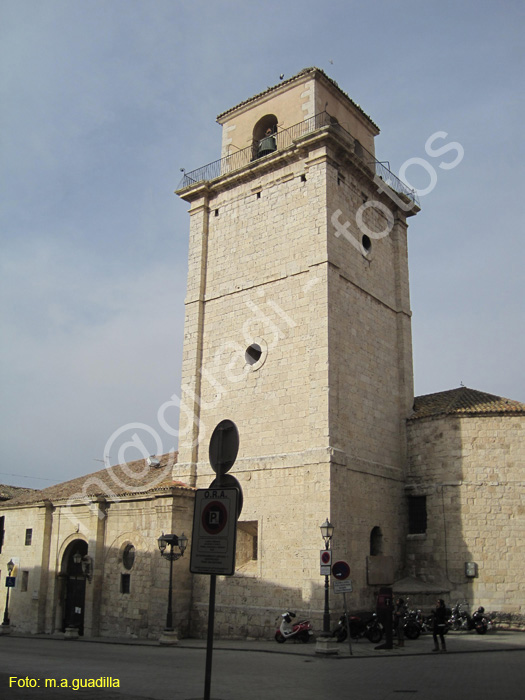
column 171, row 541
column 10, row 567
column 327, row 532
column 86, row 564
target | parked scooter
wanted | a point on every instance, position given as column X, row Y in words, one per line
column 360, row 626
column 301, row 631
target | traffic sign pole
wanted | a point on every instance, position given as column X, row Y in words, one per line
column 347, row 626
column 341, row 572
column 222, row 455
column 209, row 641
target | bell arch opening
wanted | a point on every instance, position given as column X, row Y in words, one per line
column 264, row 133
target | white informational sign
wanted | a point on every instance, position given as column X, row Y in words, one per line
column 214, row 531
column 342, row 586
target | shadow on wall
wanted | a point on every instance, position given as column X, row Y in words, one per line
column 242, row 607
column 440, row 503
column 128, row 596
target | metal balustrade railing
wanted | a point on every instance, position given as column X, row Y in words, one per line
column 280, row 140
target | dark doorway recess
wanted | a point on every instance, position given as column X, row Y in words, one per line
column 75, row 586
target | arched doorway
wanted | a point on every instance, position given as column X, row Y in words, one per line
column 73, row 589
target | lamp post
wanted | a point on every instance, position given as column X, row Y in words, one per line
column 10, row 567
column 327, row 532
column 171, row 541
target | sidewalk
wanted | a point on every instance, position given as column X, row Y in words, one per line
column 457, row 643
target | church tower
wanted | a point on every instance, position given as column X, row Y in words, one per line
column 298, row 329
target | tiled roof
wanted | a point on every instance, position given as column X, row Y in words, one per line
column 131, row 478
column 304, row 71
column 464, row 401
column 9, row 492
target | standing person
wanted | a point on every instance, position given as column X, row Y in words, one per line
column 440, row 625
column 399, row 615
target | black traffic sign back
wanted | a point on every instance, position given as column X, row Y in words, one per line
column 224, row 446
column 230, row 482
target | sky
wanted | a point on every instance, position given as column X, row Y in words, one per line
column 104, row 101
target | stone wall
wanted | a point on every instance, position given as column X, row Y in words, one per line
column 142, row 612
column 472, row 471
column 286, row 501
column 27, row 598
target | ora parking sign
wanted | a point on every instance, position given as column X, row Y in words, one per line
column 214, row 531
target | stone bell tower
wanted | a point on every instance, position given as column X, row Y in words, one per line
column 298, row 329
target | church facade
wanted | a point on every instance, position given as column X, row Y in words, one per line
column 298, row 329
column 86, row 556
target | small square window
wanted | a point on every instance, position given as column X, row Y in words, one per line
column 29, row 536
column 125, row 583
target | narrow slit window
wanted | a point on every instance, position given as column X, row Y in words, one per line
column 125, row 583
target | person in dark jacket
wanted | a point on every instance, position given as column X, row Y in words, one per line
column 440, row 625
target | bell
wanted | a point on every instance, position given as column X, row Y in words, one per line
column 266, row 145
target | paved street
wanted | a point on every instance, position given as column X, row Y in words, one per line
column 483, row 667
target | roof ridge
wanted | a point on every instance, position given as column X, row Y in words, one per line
column 119, row 480
column 464, row 401
column 302, row 72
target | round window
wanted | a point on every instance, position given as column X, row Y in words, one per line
column 367, row 243
column 253, row 353
column 128, row 556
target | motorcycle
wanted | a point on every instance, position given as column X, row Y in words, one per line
column 360, row 626
column 461, row 620
column 426, row 622
column 408, row 619
column 301, row 631
column 482, row 623
column 412, row 626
